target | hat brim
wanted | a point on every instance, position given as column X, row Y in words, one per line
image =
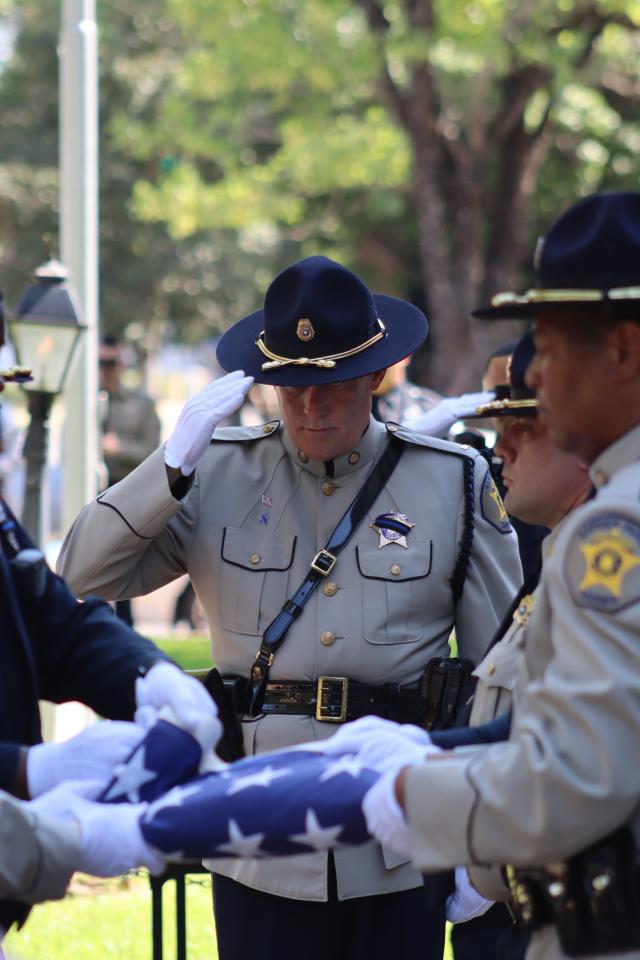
column 405, row 330
column 536, row 308
column 503, row 408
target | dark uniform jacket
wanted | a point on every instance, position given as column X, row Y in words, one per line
column 58, row 649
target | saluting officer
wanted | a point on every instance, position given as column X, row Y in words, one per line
column 251, row 515
column 559, row 802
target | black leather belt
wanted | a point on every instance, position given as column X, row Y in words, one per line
column 338, row 700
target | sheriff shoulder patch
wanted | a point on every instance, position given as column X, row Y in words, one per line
column 491, row 505
column 602, row 563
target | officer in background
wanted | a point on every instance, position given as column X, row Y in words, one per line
column 130, row 427
column 543, row 484
column 559, row 802
column 399, row 400
column 247, row 514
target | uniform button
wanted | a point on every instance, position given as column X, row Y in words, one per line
column 395, row 569
column 392, row 427
column 600, row 478
column 354, row 457
column 267, row 428
column 327, row 638
column 327, row 487
column 491, row 669
column 255, row 558
column 330, row 589
column 302, row 457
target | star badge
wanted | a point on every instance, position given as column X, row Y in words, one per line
column 393, row 528
column 609, row 557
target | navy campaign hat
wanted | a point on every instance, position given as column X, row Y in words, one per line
column 321, row 324
column 590, row 258
column 516, row 400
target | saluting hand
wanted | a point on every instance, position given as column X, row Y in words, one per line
column 200, row 416
column 438, row 421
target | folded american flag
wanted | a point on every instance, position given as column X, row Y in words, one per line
column 276, row 804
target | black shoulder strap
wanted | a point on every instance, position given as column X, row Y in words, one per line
column 459, row 574
column 321, row 566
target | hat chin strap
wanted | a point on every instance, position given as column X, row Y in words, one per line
column 328, row 362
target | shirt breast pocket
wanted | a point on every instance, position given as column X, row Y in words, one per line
column 253, row 579
column 395, row 589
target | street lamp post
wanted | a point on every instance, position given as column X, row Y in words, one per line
column 45, row 328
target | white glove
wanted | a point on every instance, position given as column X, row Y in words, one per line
column 200, row 416
column 112, row 842
column 438, row 421
column 465, row 903
column 189, row 704
column 385, row 819
column 381, row 744
column 352, row 736
column 91, row 755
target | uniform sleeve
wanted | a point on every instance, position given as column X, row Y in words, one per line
column 9, row 757
column 494, row 731
column 84, row 652
column 568, row 775
column 123, row 544
column 494, row 572
column 37, row 854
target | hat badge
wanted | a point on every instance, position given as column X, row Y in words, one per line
column 304, row 330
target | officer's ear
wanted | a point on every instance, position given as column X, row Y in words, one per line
column 623, row 341
column 377, row 379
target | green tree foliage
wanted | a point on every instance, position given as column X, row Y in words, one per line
column 427, row 141
column 185, row 289
column 424, row 142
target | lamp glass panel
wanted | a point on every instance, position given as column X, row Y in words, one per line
column 46, row 348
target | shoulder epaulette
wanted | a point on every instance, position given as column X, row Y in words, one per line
column 240, row 434
column 432, row 443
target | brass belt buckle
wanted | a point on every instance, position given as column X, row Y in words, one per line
column 323, row 699
column 323, row 563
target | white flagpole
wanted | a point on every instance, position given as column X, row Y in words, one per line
column 79, row 242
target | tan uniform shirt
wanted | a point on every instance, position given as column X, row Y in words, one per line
column 37, row 854
column 257, row 513
column 569, row 773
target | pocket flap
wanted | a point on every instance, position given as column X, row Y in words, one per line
column 393, row 563
column 498, row 669
column 255, row 551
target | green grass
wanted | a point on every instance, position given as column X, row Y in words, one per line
column 103, row 919
column 191, row 653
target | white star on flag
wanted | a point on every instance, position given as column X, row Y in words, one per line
column 241, row 845
column 344, row 764
column 263, row 778
column 130, row 776
column 320, row 838
column 174, row 798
